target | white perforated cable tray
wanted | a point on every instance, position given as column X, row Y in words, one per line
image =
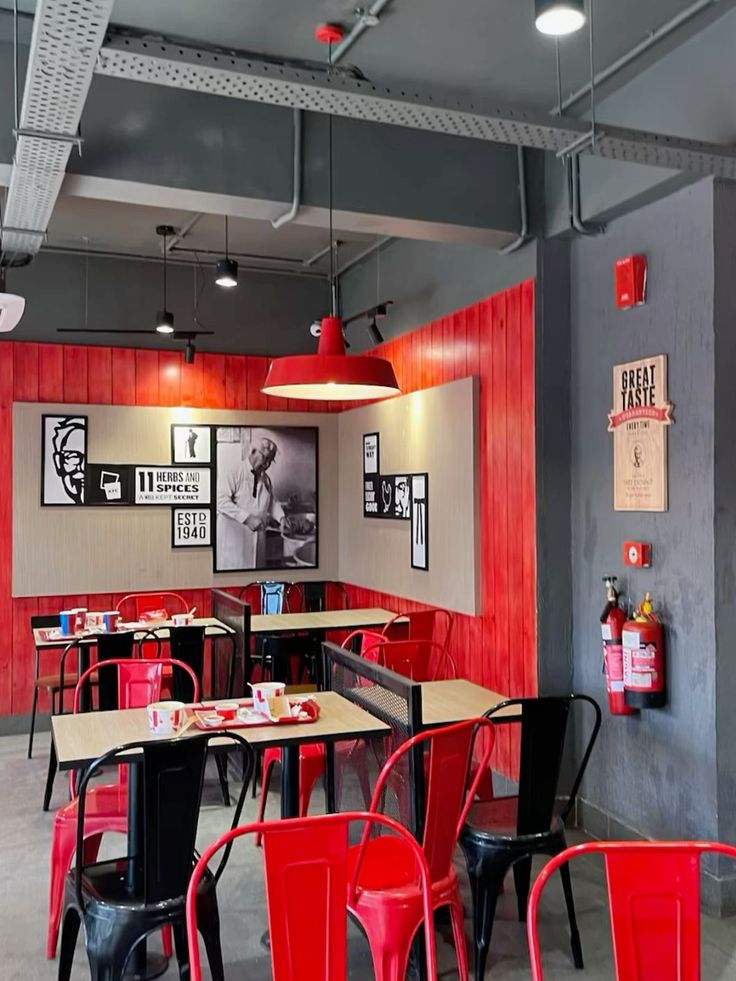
column 65, row 43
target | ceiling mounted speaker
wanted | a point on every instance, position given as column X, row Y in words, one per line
column 559, row 17
column 11, row 306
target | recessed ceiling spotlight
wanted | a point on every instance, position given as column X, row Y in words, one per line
column 559, row 17
column 226, row 270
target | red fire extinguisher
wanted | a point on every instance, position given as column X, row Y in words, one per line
column 643, row 643
column 612, row 622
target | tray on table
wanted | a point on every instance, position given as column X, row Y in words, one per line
column 205, row 709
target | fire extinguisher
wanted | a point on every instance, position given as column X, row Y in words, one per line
column 643, row 643
column 612, row 622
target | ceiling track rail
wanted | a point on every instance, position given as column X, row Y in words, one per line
column 65, row 42
column 195, row 70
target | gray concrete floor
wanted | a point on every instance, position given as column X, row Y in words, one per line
column 25, row 834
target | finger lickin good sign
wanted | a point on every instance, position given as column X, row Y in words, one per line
column 639, row 420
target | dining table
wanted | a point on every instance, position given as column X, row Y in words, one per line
column 81, row 739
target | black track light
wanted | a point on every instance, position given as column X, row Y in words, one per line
column 189, row 352
column 559, row 17
column 226, row 270
column 376, row 335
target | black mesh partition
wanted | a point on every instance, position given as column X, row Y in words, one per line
column 353, row 765
column 235, row 613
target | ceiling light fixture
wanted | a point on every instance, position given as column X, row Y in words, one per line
column 189, row 352
column 559, row 17
column 331, row 374
column 11, row 306
column 164, row 318
column 226, row 270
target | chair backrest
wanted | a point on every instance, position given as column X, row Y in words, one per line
column 324, row 595
column 397, row 701
column 422, row 660
column 449, row 791
column 138, row 603
column 309, row 857
column 40, row 621
column 543, row 730
column 434, row 624
column 362, row 642
column 111, row 647
column 171, row 784
column 654, row 905
column 187, row 644
column 235, row 613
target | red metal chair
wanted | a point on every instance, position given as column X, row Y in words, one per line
column 138, row 684
column 388, row 900
column 420, row 660
column 362, row 641
column 138, row 603
column 654, row 902
column 434, row 624
column 311, row 881
column 311, row 768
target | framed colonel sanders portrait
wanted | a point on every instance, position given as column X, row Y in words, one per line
column 63, row 459
column 266, row 498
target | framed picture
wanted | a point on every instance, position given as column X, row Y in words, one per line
column 191, row 444
column 108, row 483
column 394, row 496
column 172, row 485
column 63, row 459
column 267, row 502
column 191, row 527
column 420, row 521
column 371, row 453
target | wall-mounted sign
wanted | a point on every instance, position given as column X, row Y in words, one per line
column 394, row 496
column 639, row 419
column 420, row 521
column 172, row 485
column 191, row 527
column 108, row 483
column 371, row 457
column 63, row 459
column 191, row 444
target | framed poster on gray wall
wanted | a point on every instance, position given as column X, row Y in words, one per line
column 63, row 459
column 420, row 521
column 266, row 496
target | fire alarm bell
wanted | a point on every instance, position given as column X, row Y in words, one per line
column 630, row 277
column 638, row 553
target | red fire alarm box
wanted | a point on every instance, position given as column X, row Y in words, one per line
column 630, row 278
column 638, row 553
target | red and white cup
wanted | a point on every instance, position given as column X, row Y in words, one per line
column 181, row 619
column 165, row 718
column 265, row 690
column 111, row 619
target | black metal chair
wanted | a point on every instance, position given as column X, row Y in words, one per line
column 326, row 594
column 272, row 652
column 187, row 644
column 47, row 683
column 109, row 647
column 507, row 831
column 121, row 901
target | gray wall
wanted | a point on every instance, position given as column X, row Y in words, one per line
column 427, row 280
column 655, row 772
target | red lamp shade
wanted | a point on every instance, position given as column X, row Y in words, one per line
column 331, row 374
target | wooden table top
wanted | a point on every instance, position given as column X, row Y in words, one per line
column 212, row 628
column 273, row 623
column 454, row 700
column 80, row 739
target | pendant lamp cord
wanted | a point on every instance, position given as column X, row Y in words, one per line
column 227, row 250
column 333, row 306
column 164, row 270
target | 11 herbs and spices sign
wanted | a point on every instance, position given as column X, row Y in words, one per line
column 639, row 419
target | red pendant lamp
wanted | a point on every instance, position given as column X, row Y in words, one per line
column 331, row 375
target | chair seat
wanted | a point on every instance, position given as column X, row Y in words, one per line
column 498, row 819
column 108, row 800
column 387, row 864
column 106, row 883
column 51, row 681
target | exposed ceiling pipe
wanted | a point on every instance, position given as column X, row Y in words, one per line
column 173, row 240
column 653, row 38
column 523, row 236
column 296, row 200
column 321, row 253
column 65, row 42
column 366, row 18
column 364, row 21
column 364, row 254
column 573, row 190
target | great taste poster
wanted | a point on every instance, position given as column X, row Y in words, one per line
column 639, row 420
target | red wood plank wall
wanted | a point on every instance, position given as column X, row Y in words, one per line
column 493, row 339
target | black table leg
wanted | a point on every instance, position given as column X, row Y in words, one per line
column 142, row 966
column 289, row 781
